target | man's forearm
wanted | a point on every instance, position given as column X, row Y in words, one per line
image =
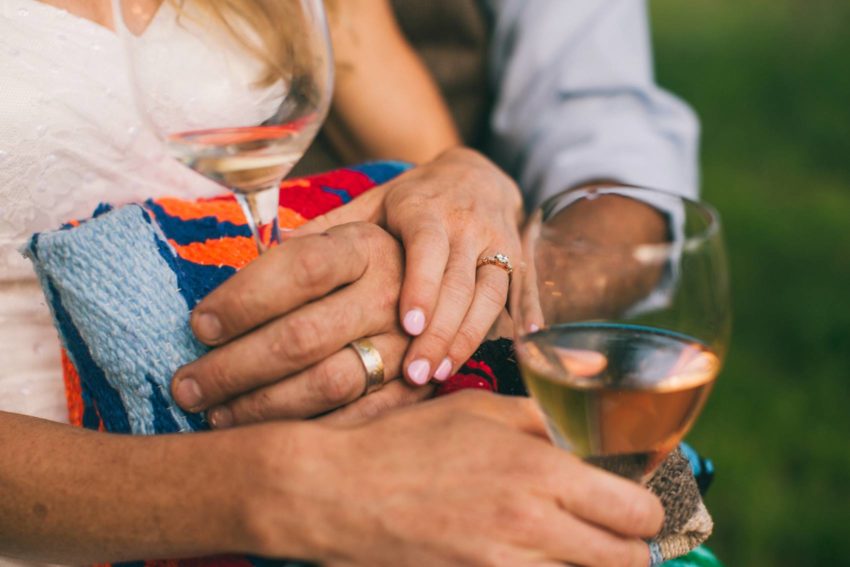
column 599, row 266
column 76, row 496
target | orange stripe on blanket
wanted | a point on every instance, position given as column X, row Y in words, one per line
column 294, row 183
column 73, row 391
column 290, row 218
column 222, row 210
column 233, row 251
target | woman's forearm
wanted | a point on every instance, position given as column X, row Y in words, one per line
column 386, row 104
column 75, row 496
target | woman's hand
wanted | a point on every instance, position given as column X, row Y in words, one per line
column 449, row 214
column 282, row 326
column 468, row 479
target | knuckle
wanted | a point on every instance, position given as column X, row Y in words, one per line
column 409, row 204
column 458, row 286
column 387, row 299
column 311, row 269
column 333, row 387
column 253, row 408
column 461, row 407
column 635, row 512
column 391, row 257
column 297, row 337
column 372, row 230
column 429, row 231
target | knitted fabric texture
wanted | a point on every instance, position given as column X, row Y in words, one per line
column 122, row 284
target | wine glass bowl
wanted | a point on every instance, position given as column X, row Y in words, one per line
column 621, row 311
column 235, row 89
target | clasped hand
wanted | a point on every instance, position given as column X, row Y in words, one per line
column 283, row 323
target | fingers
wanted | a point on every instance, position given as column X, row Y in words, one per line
column 334, row 382
column 284, row 346
column 563, row 536
column 491, row 290
column 427, row 355
column 609, row 501
column 581, row 362
column 395, row 394
column 279, row 281
column 427, row 248
column 526, row 307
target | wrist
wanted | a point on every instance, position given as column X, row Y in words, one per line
column 285, row 501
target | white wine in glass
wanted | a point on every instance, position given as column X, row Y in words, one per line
column 620, row 342
column 256, row 77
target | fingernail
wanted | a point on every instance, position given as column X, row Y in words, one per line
column 419, row 371
column 220, row 417
column 208, row 327
column 443, row 370
column 532, row 328
column 188, row 394
column 414, row 322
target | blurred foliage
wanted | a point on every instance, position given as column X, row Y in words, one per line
column 770, row 80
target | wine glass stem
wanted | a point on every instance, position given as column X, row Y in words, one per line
column 261, row 210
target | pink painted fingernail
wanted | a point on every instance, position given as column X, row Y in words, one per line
column 419, row 371
column 414, row 322
column 208, row 327
column 443, row 370
column 220, row 417
column 188, row 394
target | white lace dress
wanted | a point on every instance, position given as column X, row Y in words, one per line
column 70, row 138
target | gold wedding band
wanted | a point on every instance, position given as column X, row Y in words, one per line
column 498, row 260
column 372, row 362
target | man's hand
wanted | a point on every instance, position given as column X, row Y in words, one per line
column 589, row 248
column 449, row 213
column 283, row 323
column 463, row 480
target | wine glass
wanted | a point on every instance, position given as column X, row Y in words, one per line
column 236, row 89
column 621, row 312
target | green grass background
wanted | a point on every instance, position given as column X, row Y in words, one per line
column 770, row 80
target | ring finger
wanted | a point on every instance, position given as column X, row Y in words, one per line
column 491, row 292
column 334, row 382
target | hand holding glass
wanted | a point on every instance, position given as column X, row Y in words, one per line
column 622, row 318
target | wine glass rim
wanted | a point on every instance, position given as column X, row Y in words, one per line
column 687, row 242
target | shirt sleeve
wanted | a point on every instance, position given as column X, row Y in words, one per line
column 576, row 100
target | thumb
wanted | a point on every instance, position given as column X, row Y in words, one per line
column 364, row 208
